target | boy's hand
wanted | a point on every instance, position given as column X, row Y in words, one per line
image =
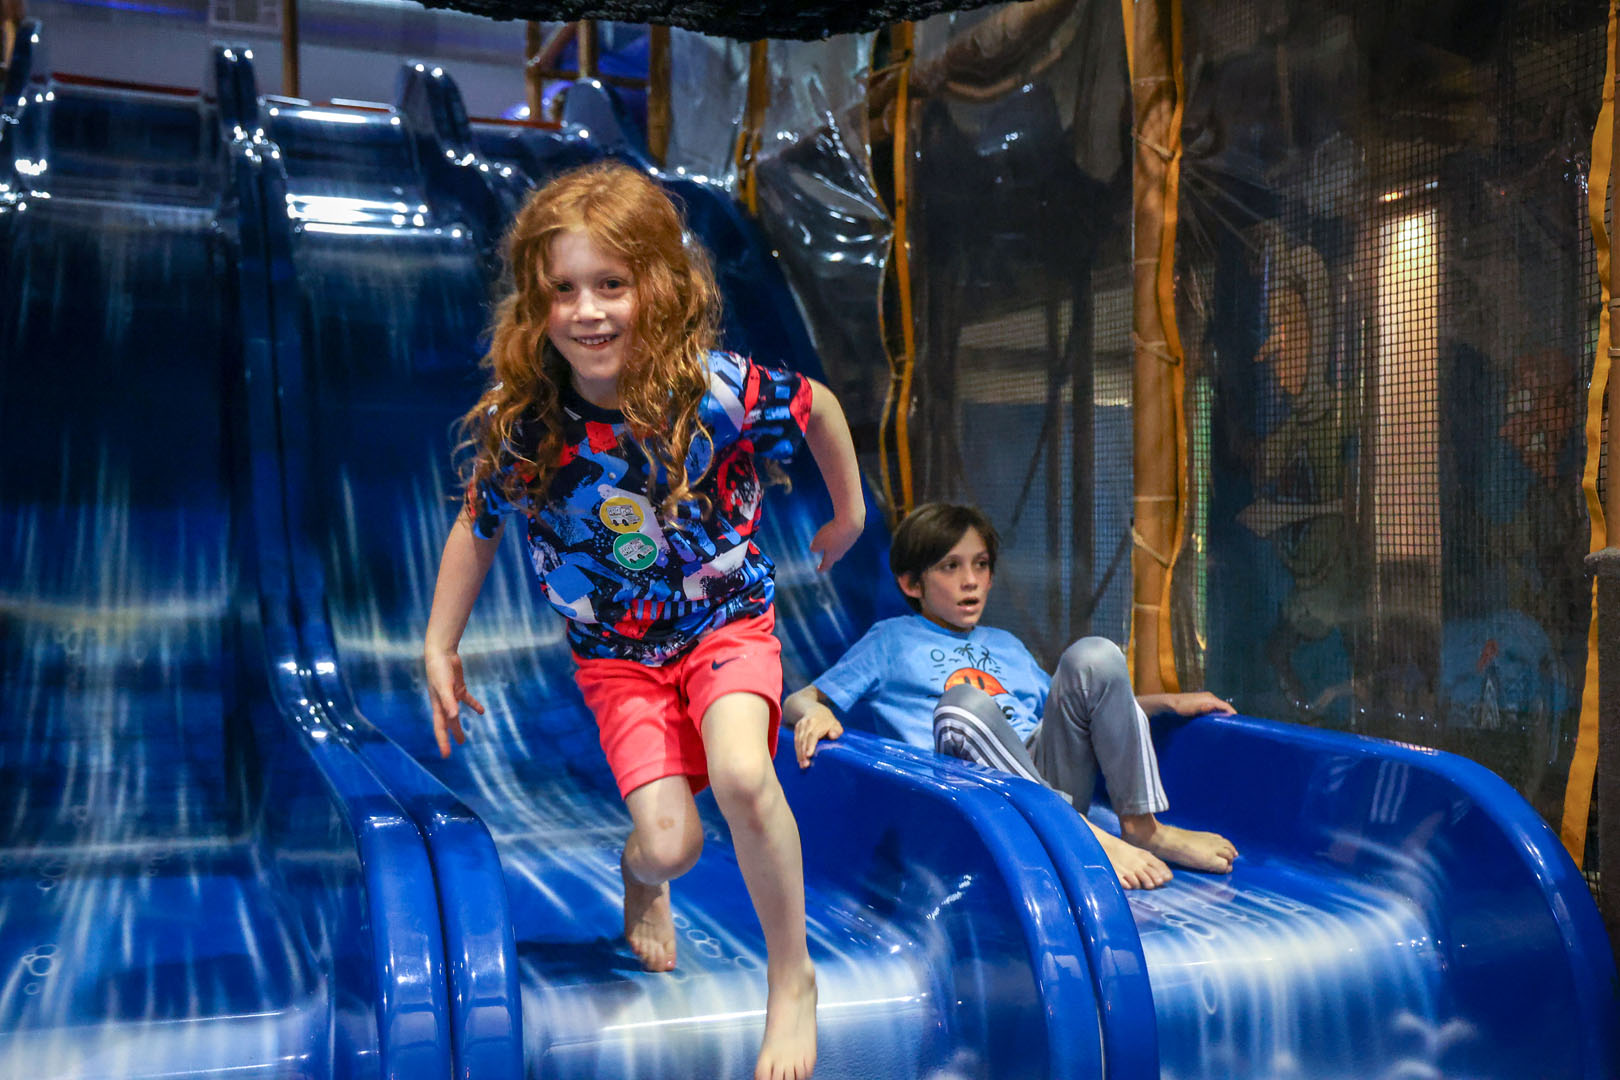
column 834, row 539
column 447, row 690
column 816, row 724
column 1196, row 703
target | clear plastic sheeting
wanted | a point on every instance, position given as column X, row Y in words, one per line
column 1389, row 302
column 1021, row 241
column 709, row 94
column 821, row 209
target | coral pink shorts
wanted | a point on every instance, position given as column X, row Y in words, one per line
column 651, row 718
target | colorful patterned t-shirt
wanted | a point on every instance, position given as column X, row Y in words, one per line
column 633, row 585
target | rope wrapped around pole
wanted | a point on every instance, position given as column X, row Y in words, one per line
column 1153, row 49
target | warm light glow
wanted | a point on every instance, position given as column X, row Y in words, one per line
column 1406, row 436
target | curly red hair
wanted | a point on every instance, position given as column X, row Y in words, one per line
column 665, row 373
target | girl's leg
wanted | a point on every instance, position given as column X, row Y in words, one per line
column 767, row 842
column 665, row 840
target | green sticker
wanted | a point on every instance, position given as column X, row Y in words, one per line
column 635, row 550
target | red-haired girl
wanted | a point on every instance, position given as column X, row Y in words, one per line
column 628, row 445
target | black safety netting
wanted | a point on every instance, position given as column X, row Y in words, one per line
column 1388, row 296
column 1020, row 181
column 1387, row 293
column 802, row 21
column 1020, row 229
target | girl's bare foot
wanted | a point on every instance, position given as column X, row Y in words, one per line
column 1136, row 868
column 649, row 925
column 789, row 1050
column 1206, row 851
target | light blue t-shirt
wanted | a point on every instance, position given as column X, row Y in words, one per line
column 902, row 665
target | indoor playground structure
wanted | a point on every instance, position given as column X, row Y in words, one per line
column 236, row 328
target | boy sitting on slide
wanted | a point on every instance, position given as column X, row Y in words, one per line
column 990, row 703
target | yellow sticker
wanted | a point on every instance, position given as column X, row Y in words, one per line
column 620, row 514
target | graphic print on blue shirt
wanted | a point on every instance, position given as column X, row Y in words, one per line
column 633, row 586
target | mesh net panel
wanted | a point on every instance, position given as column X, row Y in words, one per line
column 1020, row 230
column 1388, row 298
column 1387, row 287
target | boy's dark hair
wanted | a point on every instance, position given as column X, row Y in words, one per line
column 927, row 534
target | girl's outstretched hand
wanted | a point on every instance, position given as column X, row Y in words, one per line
column 447, row 690
column 834, row 539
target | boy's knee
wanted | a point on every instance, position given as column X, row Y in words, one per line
column 743, row 784
column 964, row 696
column 670, row 848
column 1094, row 658
column 960, row 709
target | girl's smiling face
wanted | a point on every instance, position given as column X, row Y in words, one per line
column 593, row 305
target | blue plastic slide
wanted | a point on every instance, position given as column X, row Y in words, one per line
column 197, row 878
column 930, row 957
column 237, row 330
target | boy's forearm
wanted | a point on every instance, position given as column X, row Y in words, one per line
column 799, row 703
column 462, row 568
column 827, row 435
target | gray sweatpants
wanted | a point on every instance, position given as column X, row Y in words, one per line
column 1092, row 722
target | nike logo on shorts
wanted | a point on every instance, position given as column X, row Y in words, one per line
column 716, row 665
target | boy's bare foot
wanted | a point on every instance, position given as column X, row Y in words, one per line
column 1206, row 851
column 1136, row 868
column 649, row 925
column 789, row 1050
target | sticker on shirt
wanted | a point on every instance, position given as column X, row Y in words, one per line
column 983, row 680
column 635, row 551
column 621, row 514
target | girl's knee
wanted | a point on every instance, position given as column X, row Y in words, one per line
column 669, row 848
column 743, row 783
column 1094, row 658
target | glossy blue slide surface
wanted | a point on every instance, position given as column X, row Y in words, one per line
column 934, row 956
column 236, row 331
column 196, row 877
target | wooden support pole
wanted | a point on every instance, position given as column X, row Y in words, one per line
column 1607, row 771
column 1595, row 761
column 903, row 43
column 587, row 48
column 1596, row 769
column 1611, row 486
column 540, row 63
column 748, row 140
column 289, row 48
column 545, row 57
column 658, row 89
column 1159, row 447
column 533, row 86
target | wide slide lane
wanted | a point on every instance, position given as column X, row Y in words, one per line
column 194, row 879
